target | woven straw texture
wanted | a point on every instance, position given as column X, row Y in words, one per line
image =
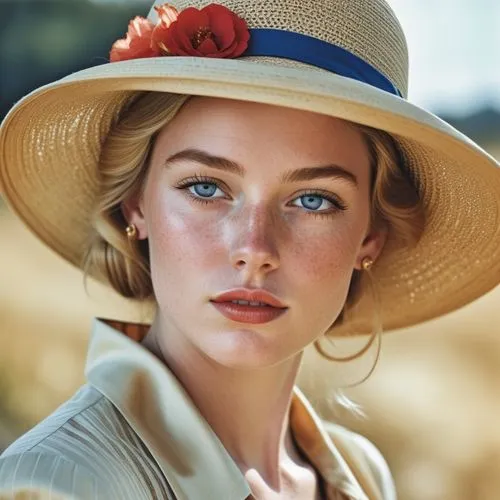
column 51, row 140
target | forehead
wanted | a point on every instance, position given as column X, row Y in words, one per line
column 248, row 131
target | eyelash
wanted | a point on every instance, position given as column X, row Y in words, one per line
column 197, row 179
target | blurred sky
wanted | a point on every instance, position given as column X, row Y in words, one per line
column 454, row 51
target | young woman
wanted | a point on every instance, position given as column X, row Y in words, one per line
column 253, row 169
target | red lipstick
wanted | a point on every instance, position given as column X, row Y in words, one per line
column 254, row 306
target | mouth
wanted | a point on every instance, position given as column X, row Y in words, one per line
column 249, row 312
column 254, row 306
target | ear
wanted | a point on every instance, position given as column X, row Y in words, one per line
column 132, row 210
column 372, row 245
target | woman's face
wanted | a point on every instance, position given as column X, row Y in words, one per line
column 245, row 195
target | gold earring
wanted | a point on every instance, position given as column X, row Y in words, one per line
column 131, row 231
column 367, row 263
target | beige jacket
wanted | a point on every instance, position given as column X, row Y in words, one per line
column 132, row 433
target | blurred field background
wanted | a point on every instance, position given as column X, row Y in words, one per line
column 433, row 404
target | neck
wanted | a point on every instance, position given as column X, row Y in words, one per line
column 247, row 408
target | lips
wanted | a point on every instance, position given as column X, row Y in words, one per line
column 250, row 295
column 249, row 306
column 248, row 314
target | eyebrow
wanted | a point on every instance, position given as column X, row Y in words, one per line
column 227, row 165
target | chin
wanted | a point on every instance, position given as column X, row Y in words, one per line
column 244, row 348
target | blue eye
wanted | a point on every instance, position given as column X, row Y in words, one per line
column 317, row 203
column 205, row 189
column 312, row 202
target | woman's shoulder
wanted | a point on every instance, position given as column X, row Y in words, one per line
column 50, row 430
column 85, row 449
column 43, row 459
column 363, row 458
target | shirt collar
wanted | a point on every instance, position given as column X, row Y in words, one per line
column 189, row 453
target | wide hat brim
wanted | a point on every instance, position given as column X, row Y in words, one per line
column 51, row 140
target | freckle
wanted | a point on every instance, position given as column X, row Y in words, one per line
column 317, row 257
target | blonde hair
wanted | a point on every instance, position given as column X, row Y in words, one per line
column 123, row 168
column 395, row 202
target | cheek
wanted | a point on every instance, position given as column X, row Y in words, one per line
column 181, row 242
column 321, row 264
column 330, row 252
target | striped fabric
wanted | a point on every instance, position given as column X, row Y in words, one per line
column 88, row 451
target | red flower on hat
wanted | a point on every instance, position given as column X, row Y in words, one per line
column 137, row 42
column 213, row 31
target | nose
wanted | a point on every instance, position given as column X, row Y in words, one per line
column 253, row 248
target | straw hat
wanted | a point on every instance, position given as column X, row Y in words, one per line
column 346, row 59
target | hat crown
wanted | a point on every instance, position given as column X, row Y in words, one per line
column 368, row 29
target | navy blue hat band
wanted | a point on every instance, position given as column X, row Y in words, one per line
column 310, row 50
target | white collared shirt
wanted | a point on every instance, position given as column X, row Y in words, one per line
column 133, row 433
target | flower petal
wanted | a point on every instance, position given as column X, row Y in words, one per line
column 159, row 37
column 222, row 27
column 167, row 14
column 140, row 27
column 208, row 47
column 228, row 52
column 137, row 43
column 215, row 10
column 178, row 43
column 191, row 20
column 240, row 48
column 241, row 29
column 238, row 43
